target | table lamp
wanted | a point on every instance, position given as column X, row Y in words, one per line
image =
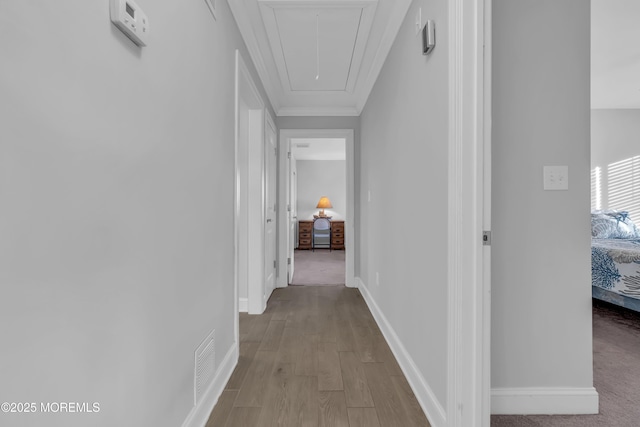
column 323, row 204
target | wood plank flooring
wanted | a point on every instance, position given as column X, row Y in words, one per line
column 315, row 358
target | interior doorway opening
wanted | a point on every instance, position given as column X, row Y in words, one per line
column 318, row 189
column 316, row 164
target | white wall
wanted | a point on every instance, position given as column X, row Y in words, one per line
column 403, row 164
column 541, row 284
column 117, row 207
column 317, row 178
column 615, row 137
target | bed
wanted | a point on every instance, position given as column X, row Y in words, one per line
column 615, row 259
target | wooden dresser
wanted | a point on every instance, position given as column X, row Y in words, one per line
column 337, row 235
column 305, row 231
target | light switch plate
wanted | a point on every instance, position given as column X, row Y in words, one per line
column 556, row 177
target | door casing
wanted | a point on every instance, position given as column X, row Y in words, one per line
column 269, row 204
column 248, row 194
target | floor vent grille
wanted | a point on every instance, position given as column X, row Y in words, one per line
column 205, row 366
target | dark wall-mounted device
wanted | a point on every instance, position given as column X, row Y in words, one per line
column 428, row 37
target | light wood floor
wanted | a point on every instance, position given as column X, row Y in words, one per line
column 315, row 358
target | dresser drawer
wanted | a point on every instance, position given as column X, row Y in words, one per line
column 337, row 226
column 305, row 228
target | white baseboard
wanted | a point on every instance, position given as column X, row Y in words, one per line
column 200, row 413
column 427, row 399
column 243, row 305
column 544, row 401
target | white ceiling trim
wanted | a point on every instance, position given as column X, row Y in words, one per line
column 317, row 111
column 367, row 10
column 366, row 78
column 241, row 16
column 395, row 22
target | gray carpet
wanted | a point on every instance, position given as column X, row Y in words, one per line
column 319, row 267
column 616, row 375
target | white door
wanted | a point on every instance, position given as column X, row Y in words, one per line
column 270, row 160
column 292, row 218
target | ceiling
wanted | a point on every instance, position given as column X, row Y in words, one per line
column 615, row 54
column 318, row 57
column 318, row 148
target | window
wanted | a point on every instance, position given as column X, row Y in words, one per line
column 622, row 183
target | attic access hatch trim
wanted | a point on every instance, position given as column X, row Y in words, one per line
column 270, row 9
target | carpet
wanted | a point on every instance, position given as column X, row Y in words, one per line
column 616, row 375
column 319, row 267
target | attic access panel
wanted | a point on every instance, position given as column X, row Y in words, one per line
column 318, row 45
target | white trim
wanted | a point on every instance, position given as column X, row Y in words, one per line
column 249, row 179
column 212, row 7
column 396, row 18
column 548, row 401
column 455, row 170
column 317, row 111
column 486, row 217
column 282, row 215
column 199, row 414
column 467, row 378
column 350, row 226
column 426, row 397
column 236, row 205
column 367, row 12
column 256, row 215
column 349, row 237
column 243, row 305
column 364, row 83
column 317, row 4
column 241, row 15
column 270, row 123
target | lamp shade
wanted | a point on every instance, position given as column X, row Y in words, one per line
column 324, row 203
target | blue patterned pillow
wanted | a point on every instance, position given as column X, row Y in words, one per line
column 612, row 224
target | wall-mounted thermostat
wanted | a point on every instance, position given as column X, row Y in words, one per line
column 428, row 37
column 131, row 20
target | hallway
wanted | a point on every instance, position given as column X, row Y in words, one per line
column 315, row 358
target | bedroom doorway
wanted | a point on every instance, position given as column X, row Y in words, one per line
column 314, row 163
column 318, row 178
column 615, row 206
column 615, row 153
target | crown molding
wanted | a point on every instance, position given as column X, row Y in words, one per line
column 366, row 78
column 317, row 111
column 241, row 15
column 396, row 18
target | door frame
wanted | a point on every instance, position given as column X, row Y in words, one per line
column 485, row 386
column 469, row 207
column 248, row 178
column 283, row 178
column 269, row 122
